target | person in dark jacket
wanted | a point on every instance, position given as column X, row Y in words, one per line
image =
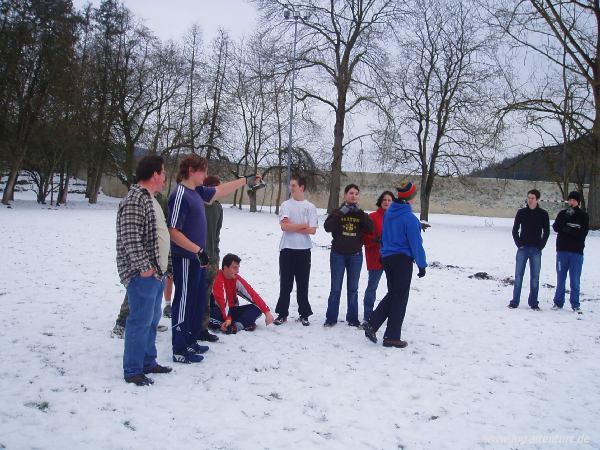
column 572, row 226
column 530, row 232
column 347, row 224
column 372, row 243
column 401, row 246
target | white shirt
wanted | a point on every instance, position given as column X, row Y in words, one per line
column 297, row 212
column 164, row 240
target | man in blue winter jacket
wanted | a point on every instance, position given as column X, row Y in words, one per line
column 401, row 246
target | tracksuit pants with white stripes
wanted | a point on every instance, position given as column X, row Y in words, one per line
column 188, row 304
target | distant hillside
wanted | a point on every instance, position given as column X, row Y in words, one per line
column 544, row 164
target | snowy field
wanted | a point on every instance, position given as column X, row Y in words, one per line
column 475, row 374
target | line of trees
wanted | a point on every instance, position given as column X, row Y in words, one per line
column 440, row 80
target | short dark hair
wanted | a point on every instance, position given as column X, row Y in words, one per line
column 536, row 193
column 230, row 258
column 350, row 186
column 380, row 199
column 211, row 180
column 300, row 180
column 193, row 162
column 147, row 166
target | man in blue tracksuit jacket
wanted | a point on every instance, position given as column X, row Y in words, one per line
column 401, row 245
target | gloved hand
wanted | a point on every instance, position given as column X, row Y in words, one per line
column 421, row 273
column 202, row 257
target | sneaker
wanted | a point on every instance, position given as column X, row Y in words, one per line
column 139, row 380
column 118, row 332
column 250, row 327
column 188, row 358
column 167, row 311
column 370, row 332
column 208, row 337
column 536, row 308
column 159, row 369
column 577, row 310
column 397, row 343
column 354, row 324
column 197, row 348
column 329, row 324
column 304, row 321
column 280, row 320
column 162, row 328
column 555, row 307
column 511, row 305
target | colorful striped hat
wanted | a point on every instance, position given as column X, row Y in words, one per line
column 407, row 190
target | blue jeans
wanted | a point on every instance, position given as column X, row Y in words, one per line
column 371, row 292
column 144, row 296
column 338, row 264
column 572, row 263
column 534, row 255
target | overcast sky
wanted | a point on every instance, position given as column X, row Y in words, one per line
column 172, row 18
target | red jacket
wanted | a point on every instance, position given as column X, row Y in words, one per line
column 226, row 291
column 372, row 241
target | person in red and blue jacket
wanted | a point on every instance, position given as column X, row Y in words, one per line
column 372, row 243
column 227, row 313
column 401, row 247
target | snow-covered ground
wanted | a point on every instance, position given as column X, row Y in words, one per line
column 475, row 374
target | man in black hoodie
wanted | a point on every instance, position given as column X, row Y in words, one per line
column 530, row 232
column 572, row 225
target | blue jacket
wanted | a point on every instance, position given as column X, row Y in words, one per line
column 402, row 233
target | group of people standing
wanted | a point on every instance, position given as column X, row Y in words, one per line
column 184, row 247
column 531, row 230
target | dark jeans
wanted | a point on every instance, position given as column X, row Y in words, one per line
column 294, row 264
column 244, row 314
column 571, row 263
column 339, row 264
column 398, row 271
column 534, row 256
column 371, row 292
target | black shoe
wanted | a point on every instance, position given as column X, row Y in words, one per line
column 329, row 323
column 370, row 332
column 139, row 380
column 512, row 305
column 197, row 348
column 354, row 324
column 536, row 308
column 250, row 327
column 304, row 321
column 398, row 343
column 576, row 310
column 167, row 311
column 159, row 369
column 280, row 320
column 208, row 337
column 188, row 358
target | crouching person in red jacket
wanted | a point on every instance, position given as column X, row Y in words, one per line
column 227, row 313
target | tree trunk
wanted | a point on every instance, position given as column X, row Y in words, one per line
column 9, row 189
column 338, row 154
column 252, row 200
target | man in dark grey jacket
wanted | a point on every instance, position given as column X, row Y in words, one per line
column 530, row 232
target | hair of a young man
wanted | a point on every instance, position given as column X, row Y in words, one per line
column 147, row 166
column 350, row 186
column 193, row 162
column 535, row 192
column 380, row 199
column 211, row 181
column 300, row 180
column 230, row 258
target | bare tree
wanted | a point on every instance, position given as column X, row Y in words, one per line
column 551, row 29
column 441, row 114
column 343, row 41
